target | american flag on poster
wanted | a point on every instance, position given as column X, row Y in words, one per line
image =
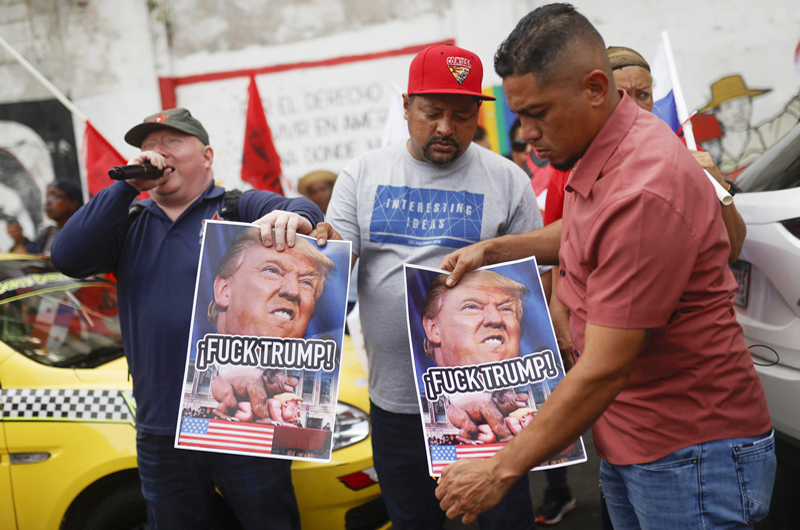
column 226, row 435
column 443, row 455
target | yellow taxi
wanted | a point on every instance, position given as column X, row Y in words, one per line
column 67, row 431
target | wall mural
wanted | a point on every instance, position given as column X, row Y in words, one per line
column 724, row 127
column 37, row 146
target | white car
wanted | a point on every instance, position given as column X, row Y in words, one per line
column 768, row 272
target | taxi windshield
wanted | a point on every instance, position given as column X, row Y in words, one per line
column 56, row 320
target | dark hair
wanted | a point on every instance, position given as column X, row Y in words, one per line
column 71, row 189
column 541, row 39
column 512, row 132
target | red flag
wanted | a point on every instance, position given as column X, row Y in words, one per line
column 261, row 165
column 99, row 156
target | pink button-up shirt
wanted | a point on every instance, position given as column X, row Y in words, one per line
column 643, row 246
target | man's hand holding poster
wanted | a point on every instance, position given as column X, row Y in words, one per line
column 485, row 359
column 262, row 370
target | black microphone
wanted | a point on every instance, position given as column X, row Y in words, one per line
column 135, row 171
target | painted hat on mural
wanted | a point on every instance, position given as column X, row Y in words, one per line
column 446, row 69
column 728, row 88
column 177, row 119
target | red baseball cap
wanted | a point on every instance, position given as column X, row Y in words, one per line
column 446, row 69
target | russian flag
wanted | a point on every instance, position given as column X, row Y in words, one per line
column 663, row 91
column 670, row 105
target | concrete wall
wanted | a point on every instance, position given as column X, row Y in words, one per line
column 107, row 56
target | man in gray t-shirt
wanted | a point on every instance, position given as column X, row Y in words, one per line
column 416, row 202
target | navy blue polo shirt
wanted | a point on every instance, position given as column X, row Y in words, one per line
column 155, row 261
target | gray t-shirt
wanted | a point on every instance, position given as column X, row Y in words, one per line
column 396, row 209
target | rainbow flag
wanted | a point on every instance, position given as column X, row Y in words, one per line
column 497, row 120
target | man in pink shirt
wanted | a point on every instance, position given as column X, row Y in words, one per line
column 663, row 373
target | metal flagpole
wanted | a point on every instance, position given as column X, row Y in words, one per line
column 56, row 94
column 683, row 117
column 43, row 80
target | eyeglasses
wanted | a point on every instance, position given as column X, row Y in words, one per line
column 56, row 195
column 519, row 146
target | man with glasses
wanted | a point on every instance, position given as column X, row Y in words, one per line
column 154, row 257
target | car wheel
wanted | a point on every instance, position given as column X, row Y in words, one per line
column 125, row 509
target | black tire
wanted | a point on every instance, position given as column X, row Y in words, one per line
column 124, row 509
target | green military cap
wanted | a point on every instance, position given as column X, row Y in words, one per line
column 179, row 119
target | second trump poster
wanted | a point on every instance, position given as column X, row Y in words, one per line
column 485, row 359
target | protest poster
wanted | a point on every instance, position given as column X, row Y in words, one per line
column 485, row 359
column 264, row 355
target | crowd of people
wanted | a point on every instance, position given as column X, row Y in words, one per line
column 445, row 439
column 634, row 262
column 202, row 412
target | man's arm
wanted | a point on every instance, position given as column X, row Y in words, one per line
column 323, row 232
column 92, row 239
column 542, row 243
column 286, row 216
column 468, row 488
column 737, row 230
column 734, row 224
column 343, row 214
column 637, row 282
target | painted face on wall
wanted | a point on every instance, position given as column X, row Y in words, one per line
column 271, row 294
column 475, row 324
column 441, row 126
column 735, row 114
column 638, row 83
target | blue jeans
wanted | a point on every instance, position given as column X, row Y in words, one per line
column 720, row 484
column 398, row 452
column 178, row 486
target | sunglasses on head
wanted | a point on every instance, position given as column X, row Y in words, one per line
column 519, row 146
